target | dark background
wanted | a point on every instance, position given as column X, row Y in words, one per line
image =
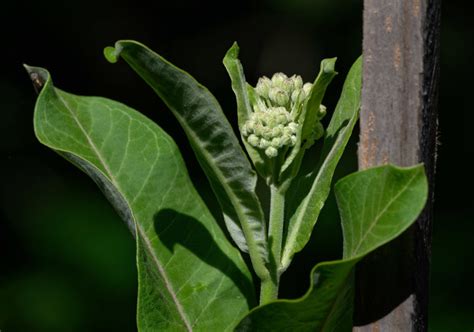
column 67, row 261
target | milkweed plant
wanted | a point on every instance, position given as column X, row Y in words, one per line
column 191, row 273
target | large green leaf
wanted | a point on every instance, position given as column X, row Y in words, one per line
column 376, row 202
column 302, row 222
column 376, row 206
column 190, row 276
column 213, row 141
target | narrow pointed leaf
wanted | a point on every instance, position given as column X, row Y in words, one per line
column 318, row 90
column 376, row 206
column 325, row 76
column 245, row 97
column 310, row 115
column 190, row 276
column 345, row 116
column 213, row 141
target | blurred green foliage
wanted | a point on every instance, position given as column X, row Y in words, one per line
column 68, row 261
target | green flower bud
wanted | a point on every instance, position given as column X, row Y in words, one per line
column 287, row 131
column 267, row 133
column 251, row 124
column 263, row 86
column 245, row 130
column 322, row 111
column 293, row 126
column 258, row 129
column 293, row 140
column 297, row 82
column 253, row 140
column 279, row 80
column 295, row 96
column 276, row 142
column 285, row 139
column 278, row 96
column 263, row 143
column 277, row 131
column 307, row 89
column 273, row 123
column 271, row 152
column 282, row 119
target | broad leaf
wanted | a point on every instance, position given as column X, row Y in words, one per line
column 190, row 276
column 213, row 141
column 302, row 222
column 376, row 206
column 376, row 202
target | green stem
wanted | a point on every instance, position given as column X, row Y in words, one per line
column 269, row 287
column 268, row 291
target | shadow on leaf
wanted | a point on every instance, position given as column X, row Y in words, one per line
column 174, row 228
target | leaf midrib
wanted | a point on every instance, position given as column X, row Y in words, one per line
column 381, row 213
column 148, row 246
column 243, row 217
column 292, row 238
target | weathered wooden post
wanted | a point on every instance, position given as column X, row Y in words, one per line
column 398, row 125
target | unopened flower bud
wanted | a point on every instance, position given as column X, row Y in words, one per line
column 258, row 129
column 276, row 142
column 245, row 130
column 271, row 152
column 282, row 119
column 263, row 86
column 285, row 139
column 263, row 144
column 253, row 140
column 274, row 122
column 279, row 79
column 293, row 140
column 267, row 133
column 307, row 89
column 295, row 95
column 277, row 131
column 322, row 111
column 278, row 96
column 297, row 82
column 293, row 126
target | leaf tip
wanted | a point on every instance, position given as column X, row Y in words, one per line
column 233, row 51
column 38, row 76
column 328, row 66
column 111, row 54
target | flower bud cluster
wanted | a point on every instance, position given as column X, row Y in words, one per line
column 282, row 90
column 273, row 123
column 270, row 129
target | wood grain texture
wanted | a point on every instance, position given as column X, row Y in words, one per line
column 398, row 125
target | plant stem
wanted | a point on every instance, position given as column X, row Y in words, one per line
column 268, row 290
column 269, row 287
